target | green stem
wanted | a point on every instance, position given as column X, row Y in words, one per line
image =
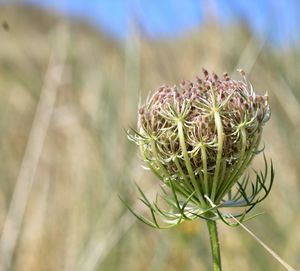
column 219, row 126
column 215, row 245
column 187, row 162
column 182, row 174
column 248, row 156
column 204, row 162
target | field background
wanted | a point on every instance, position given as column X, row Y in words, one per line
column 68, row 93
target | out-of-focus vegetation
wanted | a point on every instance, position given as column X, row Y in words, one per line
column 67, row 95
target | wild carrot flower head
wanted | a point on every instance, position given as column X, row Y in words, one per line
column 198, row 138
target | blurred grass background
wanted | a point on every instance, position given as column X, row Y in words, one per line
column 68, row 93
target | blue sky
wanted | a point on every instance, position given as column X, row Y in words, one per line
column 275, row 19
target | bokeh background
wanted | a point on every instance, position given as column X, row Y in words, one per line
column 71, row 76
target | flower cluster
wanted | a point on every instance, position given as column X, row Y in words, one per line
column 200, row 136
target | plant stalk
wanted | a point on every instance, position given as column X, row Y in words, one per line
column 215, row 245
